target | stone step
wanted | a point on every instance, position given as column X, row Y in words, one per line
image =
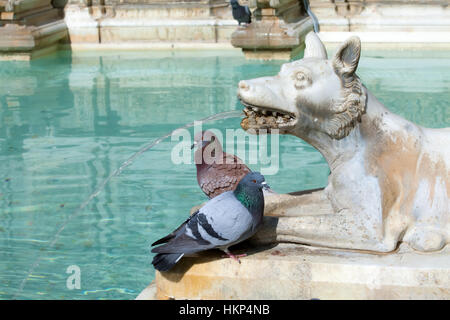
column 290, row 271
column 31, row 17
column 22, row 6
column 19, row 39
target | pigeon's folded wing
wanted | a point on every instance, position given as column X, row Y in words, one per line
column 226, row 216
column 184, row 244
column 221, row 222
column 174, row 233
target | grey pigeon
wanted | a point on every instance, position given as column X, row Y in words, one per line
column 217, row 171
column 223, row 221
column 241, row 13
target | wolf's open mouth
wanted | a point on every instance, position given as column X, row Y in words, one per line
column 259, row 118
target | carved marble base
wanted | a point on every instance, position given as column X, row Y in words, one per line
column 27, row 42
column 292, row 271
column 276, row 32
column 29, row 29
column 278, row 266
column 271, row 41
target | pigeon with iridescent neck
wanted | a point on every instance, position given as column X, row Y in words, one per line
column 223, row 221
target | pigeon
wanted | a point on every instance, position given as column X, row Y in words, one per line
column 217, row 171
column 241, row 13
column 223, row 221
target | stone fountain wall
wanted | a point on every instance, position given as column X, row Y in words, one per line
column 117, row 21
column 29, row 27
column 382, row 15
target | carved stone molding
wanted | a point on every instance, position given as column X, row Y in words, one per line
column 277, row 30
column 29, row 26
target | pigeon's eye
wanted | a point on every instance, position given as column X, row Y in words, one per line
column 254, row 181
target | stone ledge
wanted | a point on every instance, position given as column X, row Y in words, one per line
column 139, row 45
column 148, row 293
column 129, row 24
column 292, row 271
column 23, row 39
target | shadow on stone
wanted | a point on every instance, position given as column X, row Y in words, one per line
column 248, row 247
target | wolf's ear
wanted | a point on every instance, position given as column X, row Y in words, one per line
column 314, row 47
column 346, row 59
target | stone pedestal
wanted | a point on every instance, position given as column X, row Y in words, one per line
column 278, row 266
column 277, row 30
column 29, row 28
column 293, row 271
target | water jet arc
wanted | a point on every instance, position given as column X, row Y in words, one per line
column 126, row 163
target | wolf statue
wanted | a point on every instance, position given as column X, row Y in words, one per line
column 390, row 178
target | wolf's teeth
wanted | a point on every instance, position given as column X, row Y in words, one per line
column 255, row 109
column 274, row 113
column 264, row 112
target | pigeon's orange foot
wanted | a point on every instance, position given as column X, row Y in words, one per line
column 234, row 257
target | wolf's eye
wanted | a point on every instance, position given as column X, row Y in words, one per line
column 301, row 80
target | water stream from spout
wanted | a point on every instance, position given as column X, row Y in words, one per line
column 101, row 186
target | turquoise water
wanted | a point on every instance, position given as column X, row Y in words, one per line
column 69, row 120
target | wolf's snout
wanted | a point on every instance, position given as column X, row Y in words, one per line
column 244, row 85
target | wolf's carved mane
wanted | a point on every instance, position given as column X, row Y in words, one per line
column 349, row 109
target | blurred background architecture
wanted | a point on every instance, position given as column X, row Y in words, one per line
column 29, row 28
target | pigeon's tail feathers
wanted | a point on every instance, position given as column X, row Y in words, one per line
column 164, row 240
column 177, row 231
column 184, row 244
column 165, row 261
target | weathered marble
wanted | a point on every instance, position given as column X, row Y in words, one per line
column 389, row 178
column 149, row 21
column 29, row 29
column 277, row 31
column 289, row 271
column 278, row 269
column 148, row 293
column 382, row 15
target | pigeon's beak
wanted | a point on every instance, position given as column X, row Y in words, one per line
column 267, row 190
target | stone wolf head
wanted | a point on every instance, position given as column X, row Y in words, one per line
column 311, row 94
